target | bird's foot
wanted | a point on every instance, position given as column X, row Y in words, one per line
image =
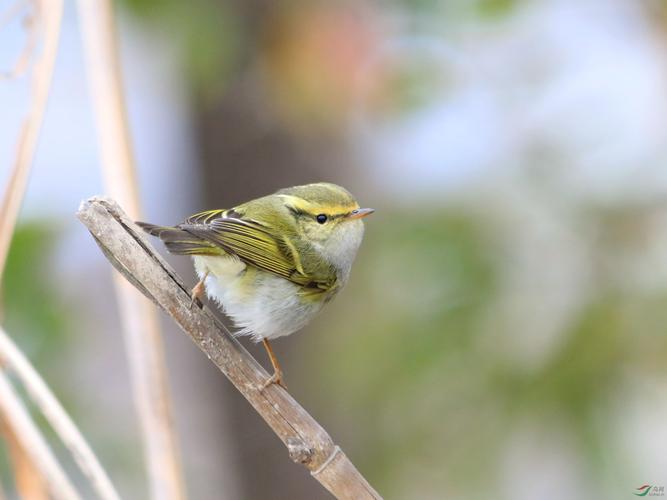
column 276, row 378
column 198, row 292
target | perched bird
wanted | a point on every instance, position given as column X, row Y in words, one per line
column 273, row 262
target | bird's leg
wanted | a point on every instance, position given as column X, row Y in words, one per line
column 277, row 377
column 198, row 290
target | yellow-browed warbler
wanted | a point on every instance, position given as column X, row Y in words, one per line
column 273, row 262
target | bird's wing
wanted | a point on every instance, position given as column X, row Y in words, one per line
column 254, row 243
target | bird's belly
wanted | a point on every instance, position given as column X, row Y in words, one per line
column 260, row 304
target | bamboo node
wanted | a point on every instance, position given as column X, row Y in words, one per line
column 335, row 452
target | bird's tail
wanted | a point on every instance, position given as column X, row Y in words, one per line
column 180, row 242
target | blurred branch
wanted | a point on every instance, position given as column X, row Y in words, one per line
column 32, row 443
column 28, row 481
column 15, row 361
column 140, row 324
column 24, row 56
column 307, row 442
column 50, row 17
column 35, row 467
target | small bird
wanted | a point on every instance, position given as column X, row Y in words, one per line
column 273, row 262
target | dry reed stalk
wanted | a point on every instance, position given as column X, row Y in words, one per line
column 34, row 465
column 23, row 60
column 14, row 361
column 31, row 441
column 140, row 323
column 50, row 16
column 28, row 481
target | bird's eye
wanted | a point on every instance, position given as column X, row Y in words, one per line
column 321, row 218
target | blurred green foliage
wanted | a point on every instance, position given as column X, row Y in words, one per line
column 493, row 8
column 208, row 34
column 461, row 8
column 418, row 301
column 34, row 310
column 412, row 87
column 35, row 313
column 432, row 402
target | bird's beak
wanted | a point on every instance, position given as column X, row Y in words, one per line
column 360, row 213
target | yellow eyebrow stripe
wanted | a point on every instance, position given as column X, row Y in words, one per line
column 314, row 209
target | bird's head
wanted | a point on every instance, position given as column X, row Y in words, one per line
column 329, row 218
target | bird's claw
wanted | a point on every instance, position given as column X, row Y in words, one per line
column 196, row 295
column 277, row 379
column 195, row 300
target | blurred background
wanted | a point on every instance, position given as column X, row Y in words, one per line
column 503, row 333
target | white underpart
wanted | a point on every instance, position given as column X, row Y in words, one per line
column 272, row 307
column 269, row 309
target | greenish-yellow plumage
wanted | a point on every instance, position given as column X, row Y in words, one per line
column 273, row 262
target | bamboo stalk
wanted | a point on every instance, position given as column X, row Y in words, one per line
column 143, row 342
column 307, row 442
column 14, row 360
column 50, row 16
column 32, row 442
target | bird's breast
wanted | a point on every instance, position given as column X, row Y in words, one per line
column 260, row 304
column 341, row 248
